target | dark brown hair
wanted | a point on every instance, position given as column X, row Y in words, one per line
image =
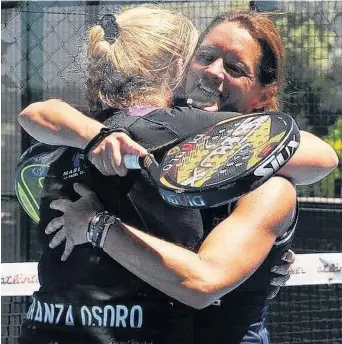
column 263, row 30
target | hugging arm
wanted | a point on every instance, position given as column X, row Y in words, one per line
column 196, row 279
column 313, row 160
column 57, row 123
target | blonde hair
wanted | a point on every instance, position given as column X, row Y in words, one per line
column 147, row 60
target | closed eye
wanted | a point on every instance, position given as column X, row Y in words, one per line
column 234, row 70
column 204, row 58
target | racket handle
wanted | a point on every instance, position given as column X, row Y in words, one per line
column 132, row 162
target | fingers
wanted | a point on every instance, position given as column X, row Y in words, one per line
column 67, row 251
column 60, row 204
column 280, row 281
column 54, row 224
column 100, row 166
column 273, row 291
column 83, row 190
column 289, row 257
column 114, row 155
column 57, row 239
column 107, row 157
column 129, row 146
column 281, row 269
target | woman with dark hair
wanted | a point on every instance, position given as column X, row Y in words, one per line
column 222, row 264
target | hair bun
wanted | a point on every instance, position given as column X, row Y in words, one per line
column 110, row 27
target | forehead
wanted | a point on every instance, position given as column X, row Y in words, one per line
column 231, row 39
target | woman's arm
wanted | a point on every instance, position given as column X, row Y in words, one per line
column 57, row 123
column 313, row 160
column 227, row 257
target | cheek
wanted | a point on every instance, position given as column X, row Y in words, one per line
column 195, row 70
column 240, row 93
column 194, row 74
column 234, row 86
column 248, row 100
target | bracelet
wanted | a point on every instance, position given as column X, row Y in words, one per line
column 98, row 227
column 91, row 232
column 110, row 221
column 96, row 140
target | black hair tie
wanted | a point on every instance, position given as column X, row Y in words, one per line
column 110, row 27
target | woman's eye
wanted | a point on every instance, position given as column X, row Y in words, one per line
column 204, row 58
column 234, row 70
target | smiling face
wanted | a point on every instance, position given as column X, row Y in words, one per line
column 223, row 74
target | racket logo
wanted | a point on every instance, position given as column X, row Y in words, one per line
column 274, row 162
column 183, row 200
column 212, row 156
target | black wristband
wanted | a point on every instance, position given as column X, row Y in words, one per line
column 96, row 140
column 98, row 227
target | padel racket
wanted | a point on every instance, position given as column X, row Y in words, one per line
column 30, row 173
column 208, row 169
column 224, row 162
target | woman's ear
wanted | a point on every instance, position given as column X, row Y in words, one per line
column 266, row 96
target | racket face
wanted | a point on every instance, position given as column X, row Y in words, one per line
column 235, row 155
column 29, row 187
column 30, row 172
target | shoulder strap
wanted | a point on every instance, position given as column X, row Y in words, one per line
column 119, row 120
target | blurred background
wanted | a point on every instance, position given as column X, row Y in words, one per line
column 41, row 58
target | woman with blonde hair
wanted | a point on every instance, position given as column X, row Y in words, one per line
column 178, row 259
column 139, row 58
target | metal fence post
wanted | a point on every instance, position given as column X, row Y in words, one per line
column 32, row 24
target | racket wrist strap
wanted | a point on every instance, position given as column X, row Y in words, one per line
column 98, row 138
column 98, row 228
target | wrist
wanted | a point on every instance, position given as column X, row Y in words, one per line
column 99, row 137
column 89, row 133
column 98, row 228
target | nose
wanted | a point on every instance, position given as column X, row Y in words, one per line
column 215, row 70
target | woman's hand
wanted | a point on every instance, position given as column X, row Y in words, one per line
column 107, row 156
column 282, row 273
column 73, row 224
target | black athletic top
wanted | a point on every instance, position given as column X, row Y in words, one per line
column 144, row 207
column 244, row 309
column 90, row 277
